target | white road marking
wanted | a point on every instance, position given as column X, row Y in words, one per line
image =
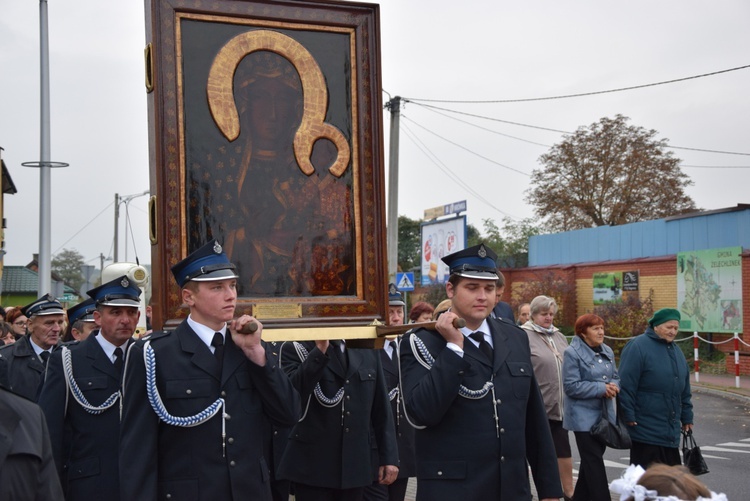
column 721, row 449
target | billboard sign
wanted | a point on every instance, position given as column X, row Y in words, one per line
column 445, row 210
column 709, row 290
column 439, row 239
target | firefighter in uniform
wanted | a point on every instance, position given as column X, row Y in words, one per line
column 81, row 396
column 472, row 395
column 23, row 364
column 196, row 399
column 407, row 466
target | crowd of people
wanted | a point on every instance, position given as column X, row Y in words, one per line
column 474, row 399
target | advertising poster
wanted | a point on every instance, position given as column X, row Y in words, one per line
column 440, row 239
column 607, row 287
column 709, row 290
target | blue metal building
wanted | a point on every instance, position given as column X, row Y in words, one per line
column 728, row 227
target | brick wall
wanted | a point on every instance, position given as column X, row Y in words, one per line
column 657, row 274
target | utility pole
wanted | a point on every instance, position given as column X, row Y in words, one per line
column 117, row 222
column 395, row 106
column 101, row 267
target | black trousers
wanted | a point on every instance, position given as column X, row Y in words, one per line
column 394, row 492
column 304, row 492
column 592, row 482
column 646, row 454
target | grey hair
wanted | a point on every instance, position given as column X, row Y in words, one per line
column 542, row 303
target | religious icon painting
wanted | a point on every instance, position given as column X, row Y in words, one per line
column 266, row 134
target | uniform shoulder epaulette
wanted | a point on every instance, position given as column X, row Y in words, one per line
column 156, row 335
column 70, row 343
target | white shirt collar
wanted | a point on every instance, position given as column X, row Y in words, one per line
column 206, row 333
column 388, row 348
column 109, row 348
column 484, row 329
column 38, row 349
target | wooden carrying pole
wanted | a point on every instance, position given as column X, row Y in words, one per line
column 366, row 336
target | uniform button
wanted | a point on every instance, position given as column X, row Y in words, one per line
column 169, row 496
column 275, row 432
column 604, row 377
column 347, row 397
column 227, row 417
column 440, row 473
column 498, row 401
column 502, row 430
column 230, row 440
column 460, row 373
column 223, row 393
column 346, row 430
column 522, row 370
column 502, row 459
column 232, row 463
column 89, row 383
column 347, row 381
column 348, row 413
column 369, row 375
column 189, row 392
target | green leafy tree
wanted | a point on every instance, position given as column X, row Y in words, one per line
column 473, row 236
column 67, row 265
column 608, row 173
column 409, row 243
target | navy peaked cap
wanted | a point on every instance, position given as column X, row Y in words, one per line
column 45, row 305
column 207, row 263
column 478, row 261
column 119, row 292
column 394, row 296
column 83, row 311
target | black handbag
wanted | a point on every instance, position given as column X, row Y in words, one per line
column 691, row 454
column 615, row 436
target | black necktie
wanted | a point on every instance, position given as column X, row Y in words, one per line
column 340, row 354
column 45, row 357
column 484, row 346
column 118, row 360
column 394, row 347
column 218, row 344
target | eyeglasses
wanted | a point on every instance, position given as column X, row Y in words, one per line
column 24, row 323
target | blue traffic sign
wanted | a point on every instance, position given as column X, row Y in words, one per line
column 405, row 281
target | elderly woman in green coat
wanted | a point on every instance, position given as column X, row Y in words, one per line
column 655, row 391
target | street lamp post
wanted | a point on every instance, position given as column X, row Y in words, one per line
column 44, row 164
column 126, row 199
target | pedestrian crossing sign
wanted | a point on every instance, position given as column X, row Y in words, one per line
column 405, row 281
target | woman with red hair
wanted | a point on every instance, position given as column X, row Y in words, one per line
column 590, row 381
column 421, row 312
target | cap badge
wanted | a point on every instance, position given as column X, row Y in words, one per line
column 217, row 248
column 392, row 289
column 124, row 282
column 482, row 252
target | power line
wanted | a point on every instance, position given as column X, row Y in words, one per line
column 582, row 94
column 84, row 227
column 484, row 117
column 716, row 166
column 708, row 151
column 464, row 147
column 440, row 165
column 486, row 129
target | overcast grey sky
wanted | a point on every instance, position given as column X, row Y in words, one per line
column 437, row 49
